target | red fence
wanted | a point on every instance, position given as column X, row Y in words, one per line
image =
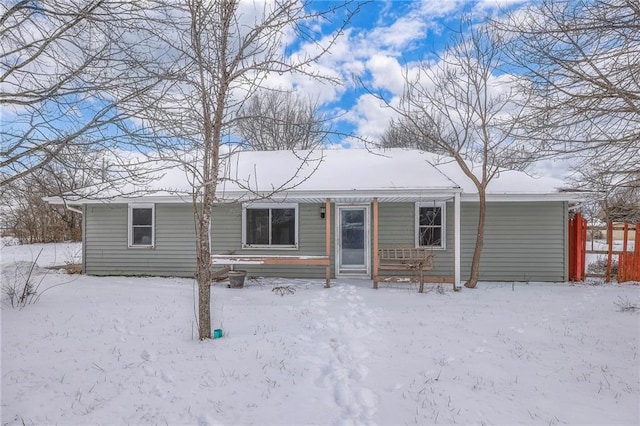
column 629, row 262
column 577, row 247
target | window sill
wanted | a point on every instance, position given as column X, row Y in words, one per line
column 137, row 247
column 432, row 248
column 258, row 247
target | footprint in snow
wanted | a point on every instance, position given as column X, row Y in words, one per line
column 167, row 377
column 358, row 372
column 147, row 356
column 368, row 399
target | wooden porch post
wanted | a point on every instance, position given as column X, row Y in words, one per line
column 374, row 231
column 327, row 241
column 456, row 240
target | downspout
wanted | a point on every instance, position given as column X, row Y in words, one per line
column 54, row 200
column 456, row 240
column 83, row 225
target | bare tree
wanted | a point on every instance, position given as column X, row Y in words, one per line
column 63, row 77
column 276, row 120
column 581, row 59
column 403, row 133
column 29, row 218
column 76, row 169
column 220, row 53
column 464, row 106
column 624, row 205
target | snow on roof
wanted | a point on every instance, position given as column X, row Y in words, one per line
column 347, row 173
column 334, row 170
column 400, row 170
column 505, row 182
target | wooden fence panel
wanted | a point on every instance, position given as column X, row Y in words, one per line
column 577, row 247
column 629, row 262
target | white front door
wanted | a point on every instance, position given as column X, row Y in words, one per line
column 352, row 251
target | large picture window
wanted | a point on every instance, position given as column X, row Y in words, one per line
column 430, row 225
column 141, row 225
column 270, row 225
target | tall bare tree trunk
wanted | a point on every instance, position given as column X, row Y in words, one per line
column 477, row 252
column 203, row 277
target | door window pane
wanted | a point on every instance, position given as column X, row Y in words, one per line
column 352, row 241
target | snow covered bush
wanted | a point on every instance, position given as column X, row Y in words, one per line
column 600, row 266
column 20, row 288
column 624, row 305
column 20, row 282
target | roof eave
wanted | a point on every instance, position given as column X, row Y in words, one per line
column 352, row 195
column 527, row 197
column 307, row 196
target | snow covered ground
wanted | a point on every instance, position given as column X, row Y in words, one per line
column 120, row 350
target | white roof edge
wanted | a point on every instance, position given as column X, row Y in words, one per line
column 119, row 200
column 65, row 201
column 555, row 196
column 244, row 196
column 230, row 197
column 354, row 193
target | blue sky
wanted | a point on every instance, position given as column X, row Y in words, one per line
column 379, row 41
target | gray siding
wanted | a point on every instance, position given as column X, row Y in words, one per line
column 106, row 242
column 523, row 241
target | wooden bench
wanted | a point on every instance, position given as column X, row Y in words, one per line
column 261, row 259
column 410, row 259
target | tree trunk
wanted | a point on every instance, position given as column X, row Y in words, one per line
column 477, row 252
column 203, row 275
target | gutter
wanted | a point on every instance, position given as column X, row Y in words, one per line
column 72, row 209
column 62, row 201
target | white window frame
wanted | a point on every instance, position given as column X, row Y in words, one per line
column 443, row 207
column 293, row 206
column 130, row 225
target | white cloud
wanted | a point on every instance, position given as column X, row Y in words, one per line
column 484, row 6
column 434, row 9
column 386, row 73
column 370, row 115
column 560, row 168
column 400, row 34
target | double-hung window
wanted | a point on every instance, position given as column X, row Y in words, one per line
column 430, row 225
column 270, row 225
column 141, row 225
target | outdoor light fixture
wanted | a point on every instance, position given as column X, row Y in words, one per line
column 323, row 210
